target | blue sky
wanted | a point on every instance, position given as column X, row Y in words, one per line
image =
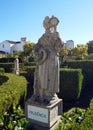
column 23, row 18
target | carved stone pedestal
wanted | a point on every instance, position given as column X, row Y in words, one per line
column 44, row 117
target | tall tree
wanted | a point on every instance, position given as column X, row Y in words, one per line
column 90, row 47
column 28, row 51
column 80, row 51
column 62, row 54
column 28, row 48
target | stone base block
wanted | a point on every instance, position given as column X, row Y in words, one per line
column 37, row 127
column 44, row 117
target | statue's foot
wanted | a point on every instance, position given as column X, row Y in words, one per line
column 32, row 99
column 53, row 100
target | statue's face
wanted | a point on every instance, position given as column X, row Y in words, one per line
column 54, row 21
column 52, row 29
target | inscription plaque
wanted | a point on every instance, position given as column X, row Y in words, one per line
column 38, row 114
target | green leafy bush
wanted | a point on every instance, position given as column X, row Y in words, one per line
column 71, row 117
column 77, row 119
column 28, row 73
column 6, row 60
column 14, row 119
column 30, row 64
column 70, row 83
column 9, row 67
column 87, row 70
column 2, row 71
column 87, row 123
column 12, row 91
column 3, row 79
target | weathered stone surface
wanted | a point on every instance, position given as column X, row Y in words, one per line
column 44, row 108
column 16, row 67
column 46, row 83
column 42, row 116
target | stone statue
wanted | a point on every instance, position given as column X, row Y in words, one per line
column 16, row 63
column 46, row 77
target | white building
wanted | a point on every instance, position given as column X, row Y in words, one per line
column 69, row 44
column 5, row 46
column 8, row 46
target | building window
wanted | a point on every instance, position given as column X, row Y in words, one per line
column 3, row 45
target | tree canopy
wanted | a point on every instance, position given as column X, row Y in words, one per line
column 90, row 47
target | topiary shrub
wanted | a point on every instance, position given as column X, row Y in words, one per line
column 9, row 67
column 70, row 84
column 30, row 64
column 28, row 73
column 87, row 70
column 2, row 71
column 70, row 79
column 3, row 79
column 12, row 91
column 9, row 59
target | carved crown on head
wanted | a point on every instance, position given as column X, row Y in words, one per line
column 50, row 22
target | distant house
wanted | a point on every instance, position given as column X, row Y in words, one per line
column 69, row 44
column 5, row 46
column 8, row 46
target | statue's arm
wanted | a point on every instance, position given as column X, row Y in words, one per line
column 41, row 54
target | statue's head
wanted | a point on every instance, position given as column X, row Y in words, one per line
column 50, row 24
column 16, row 56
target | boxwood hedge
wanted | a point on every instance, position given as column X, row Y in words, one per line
column 28, row 73
column 11, row 91
column 2, row 71
column 70, row 83
column 87, row 70
column 9, row 67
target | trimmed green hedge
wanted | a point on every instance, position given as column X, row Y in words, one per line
column 87, row 70
column 8, row 67
column 3, row 79
column 30, row 64
column 4, row 60
column 85, row 65
column 2, row 71
column 70, row 81
column 12, row 91
column 28, row 73
column 70, row 84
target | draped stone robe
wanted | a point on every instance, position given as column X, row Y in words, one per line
column 46, row 82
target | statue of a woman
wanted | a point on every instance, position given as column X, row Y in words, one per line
column 46, row 78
